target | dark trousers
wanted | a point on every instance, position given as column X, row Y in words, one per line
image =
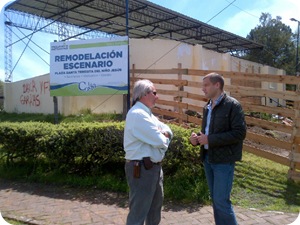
column 145, row 195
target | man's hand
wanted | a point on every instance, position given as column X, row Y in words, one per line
column 202, row 139
column 193, row 139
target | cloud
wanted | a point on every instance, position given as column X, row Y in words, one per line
column 242, row 22
column 287, row 9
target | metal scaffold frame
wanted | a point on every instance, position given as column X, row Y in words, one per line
column 36, row 24
column 86, row 19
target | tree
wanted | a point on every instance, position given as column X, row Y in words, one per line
column 277, row 38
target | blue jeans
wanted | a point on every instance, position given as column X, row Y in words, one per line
column 220, row 178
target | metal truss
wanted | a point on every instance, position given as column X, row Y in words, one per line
column 8, row 53
column 36, row 24
column 89, row 19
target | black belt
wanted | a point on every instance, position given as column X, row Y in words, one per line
column 141, row 161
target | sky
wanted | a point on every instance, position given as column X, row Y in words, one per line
column 234, row 16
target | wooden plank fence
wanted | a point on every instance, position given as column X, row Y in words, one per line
column 180, row 92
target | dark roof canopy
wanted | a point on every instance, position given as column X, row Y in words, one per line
column 146, row 20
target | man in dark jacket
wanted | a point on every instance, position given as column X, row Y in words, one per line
column 221, row 139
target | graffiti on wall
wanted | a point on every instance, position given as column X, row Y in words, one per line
column 33, row 91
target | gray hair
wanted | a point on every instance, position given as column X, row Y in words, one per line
column 141, row 88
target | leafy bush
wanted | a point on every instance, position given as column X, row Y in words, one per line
column 97, row 149
column 19, row 141
column 98, row 162
column 84, row 147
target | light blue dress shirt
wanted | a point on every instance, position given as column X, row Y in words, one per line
column 143, row 135
column 209, row 108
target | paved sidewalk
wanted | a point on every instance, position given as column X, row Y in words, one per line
column 48, row 204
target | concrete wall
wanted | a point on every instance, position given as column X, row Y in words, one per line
column 33, row 95
column 30, row 96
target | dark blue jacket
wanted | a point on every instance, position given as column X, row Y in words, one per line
column 226, row 132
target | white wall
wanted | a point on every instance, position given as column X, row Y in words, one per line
column 33, row 95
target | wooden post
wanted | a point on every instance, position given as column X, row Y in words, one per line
column 55, row 109
column 132, row 80
column 179, row 98
column 125, row 97
column 132, row 75
column 294, row 173
column 125, row 101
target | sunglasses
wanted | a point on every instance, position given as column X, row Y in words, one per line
column 154, row 92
